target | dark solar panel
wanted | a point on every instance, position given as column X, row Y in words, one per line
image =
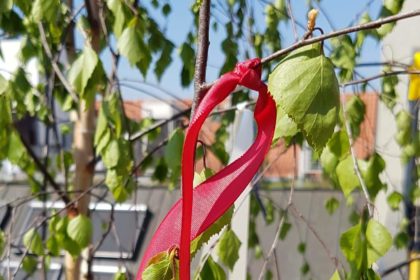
column 124, row 239
column 4, row 216
column 53, row 272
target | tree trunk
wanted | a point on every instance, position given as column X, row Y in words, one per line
column 83, row 152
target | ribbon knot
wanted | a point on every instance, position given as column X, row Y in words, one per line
column 200, row 207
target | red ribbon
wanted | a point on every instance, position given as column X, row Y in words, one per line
column 203, row 205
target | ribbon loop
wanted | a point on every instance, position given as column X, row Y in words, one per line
column 200, row 207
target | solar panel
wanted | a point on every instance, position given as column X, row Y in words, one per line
column 54, row 271
column 125, row 237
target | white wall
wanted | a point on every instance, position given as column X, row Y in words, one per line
column 399, row 46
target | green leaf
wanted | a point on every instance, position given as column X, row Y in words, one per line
column 3, row 84
column 165, row 59
column 401, row 240
column 187, row 55
column 301, row 248
column 101, row 127
column 219, row 150
column 355, row 110
column 29, row 264
column 344, row 56
column 80, row 230
column 329, row 162
column 5, row 6
column 388, row 92
column 111, row 155
column 33, row 242
column 166, row 9
column 371, row 171
column 269, row 214
column 69, row 245
column 132, row 46
column 331, row 205
column 228, row 248
column 160, row 267
column 350, row 243
column 285, row 228
column 212, row 270
column 120, row 276
column 346, row 175
column 394, row 200
column 215, row 228
column 379, row 241
column 335, row 276
column 339, row 144
column 404, row 120
column 285, row 126
column 45, row 10
column 2, row 241
column 120, row 14
column 305, row 87
column 161, row 171
column 53, row 246
column 173, row 150
column 305, row 268
column 82, row 70
column 268, row 275
column 202, row 176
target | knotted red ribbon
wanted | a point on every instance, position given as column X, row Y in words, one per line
column 200, row 207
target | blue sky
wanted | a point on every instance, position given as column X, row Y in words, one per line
column 341, row 12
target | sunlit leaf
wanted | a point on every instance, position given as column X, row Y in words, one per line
column 331, row 205
column 212, row 270
column 305, row 87
column 80, row 230
column 215, row 228
column 394, row 200
column 228, row 248
column 346, row 175
column 45, row 9
column 379, row 241
column 33, row 242
column 160, row 267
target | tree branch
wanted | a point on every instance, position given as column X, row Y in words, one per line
column 381, row 75
column 292, row 20
column 305, row 42
column 57, row 69
column 202, row 53
column 356, row 167
column 370, row 25
column 44, row 170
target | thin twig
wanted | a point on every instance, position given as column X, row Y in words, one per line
column 381, row 75
column 274, row 244
column 57, row 69
column 365, row 26
column 315, row 233
column 282, row 221
column 398, row 266
column 44, row 170
column 305, row 42
column 158, row 124
column 355, row 163
column 202, row 53
column 292, row 19
column 105, row 234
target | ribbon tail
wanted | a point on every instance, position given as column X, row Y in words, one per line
column 200, row 207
